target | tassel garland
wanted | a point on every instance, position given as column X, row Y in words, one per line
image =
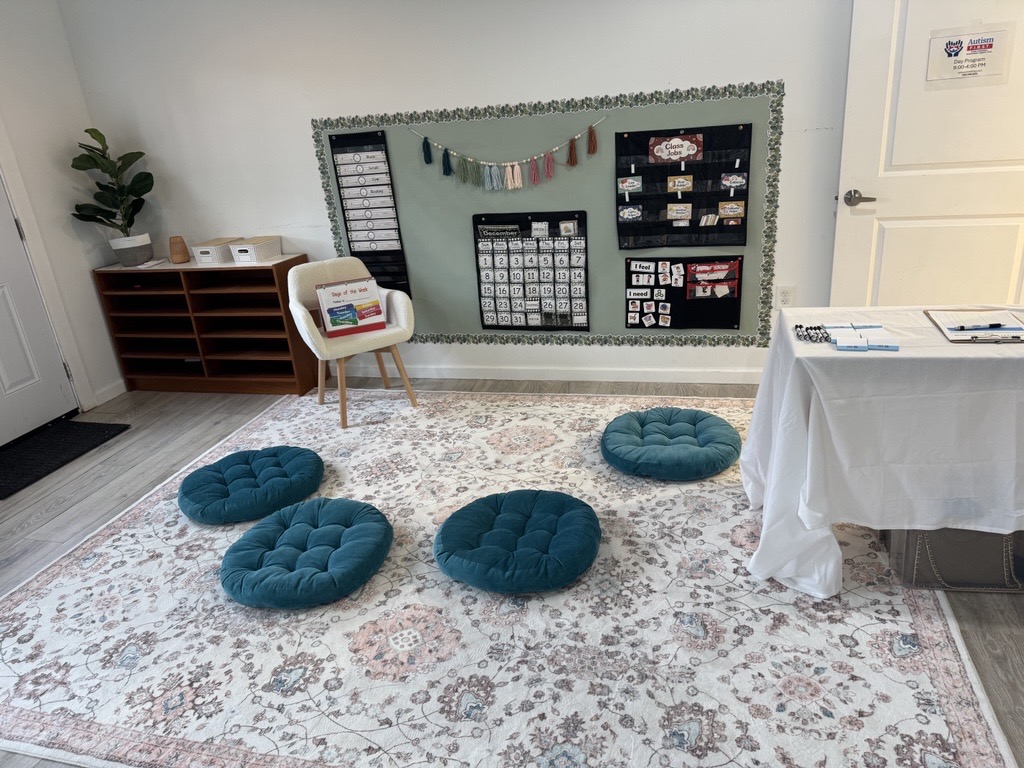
column 571, row 159
column 505, row 174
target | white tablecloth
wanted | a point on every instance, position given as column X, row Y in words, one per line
column 930, row 436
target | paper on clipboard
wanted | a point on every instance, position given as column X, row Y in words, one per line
column 970, row 326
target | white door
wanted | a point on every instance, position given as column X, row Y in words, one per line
column 34, row 387
column 944, row 157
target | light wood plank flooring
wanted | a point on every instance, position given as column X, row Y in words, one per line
column 46, row 520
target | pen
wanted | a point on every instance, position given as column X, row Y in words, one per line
column 980, row 327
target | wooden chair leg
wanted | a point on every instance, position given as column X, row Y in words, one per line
column 405, row 379
column 321, row 376
column 342, row 404
column 382, row 369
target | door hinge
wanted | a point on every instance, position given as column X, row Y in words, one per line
column 21, row 232
column 67, row 371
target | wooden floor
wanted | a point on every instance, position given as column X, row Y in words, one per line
column 47, row 519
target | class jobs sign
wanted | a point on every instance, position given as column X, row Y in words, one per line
column 961, row 54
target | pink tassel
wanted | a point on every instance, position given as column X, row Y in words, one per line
column 508, row 178
column 534, row 173
column 549, row 166
column 517, row 177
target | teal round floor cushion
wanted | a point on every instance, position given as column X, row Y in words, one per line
column 670, row 443
column 307, row 554
column 521, row 541
column 249, row 485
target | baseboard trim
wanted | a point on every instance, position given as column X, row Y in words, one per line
column 677, row 365
column 110, row 391
column 707, row 375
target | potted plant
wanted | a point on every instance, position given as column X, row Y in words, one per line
column 118, row 200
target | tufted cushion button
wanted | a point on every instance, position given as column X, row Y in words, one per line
column 670, row 443
column 248, row 485
column 307, row 554
column 521, row 541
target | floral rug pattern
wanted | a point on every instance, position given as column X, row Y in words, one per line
column 665, row 653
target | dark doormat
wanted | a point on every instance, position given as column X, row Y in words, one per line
column 49, row 448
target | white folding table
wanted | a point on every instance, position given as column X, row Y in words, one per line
column 929, row 436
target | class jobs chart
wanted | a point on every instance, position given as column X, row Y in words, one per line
column 532, row 270
column 682, row 187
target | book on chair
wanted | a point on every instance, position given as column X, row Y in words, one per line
column 350, row 306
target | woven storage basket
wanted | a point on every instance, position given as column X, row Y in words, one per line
column 216, row 251
column 253, row 249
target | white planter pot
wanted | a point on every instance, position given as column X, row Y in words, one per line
column 132, row 251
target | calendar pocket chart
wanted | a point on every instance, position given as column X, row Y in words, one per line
column 532, row 270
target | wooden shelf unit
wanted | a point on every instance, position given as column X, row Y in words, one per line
column 206, row 327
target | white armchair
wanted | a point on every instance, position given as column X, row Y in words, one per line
column 302, row 301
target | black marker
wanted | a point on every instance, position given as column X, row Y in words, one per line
column 981, row 327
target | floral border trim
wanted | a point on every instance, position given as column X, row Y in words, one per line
column 773, row 89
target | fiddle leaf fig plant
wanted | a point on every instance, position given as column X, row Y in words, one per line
column 119, row 198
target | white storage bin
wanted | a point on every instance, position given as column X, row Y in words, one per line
column 216, row 251
column 253, row 249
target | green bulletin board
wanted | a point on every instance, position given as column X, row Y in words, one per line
column 436, row 211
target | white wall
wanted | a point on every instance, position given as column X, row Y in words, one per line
column 220, row 94
column 42, row 114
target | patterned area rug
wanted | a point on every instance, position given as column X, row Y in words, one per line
column 664, row 653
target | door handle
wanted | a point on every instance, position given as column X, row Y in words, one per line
column 854, row 197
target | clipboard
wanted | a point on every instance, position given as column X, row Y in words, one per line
column 973, row 326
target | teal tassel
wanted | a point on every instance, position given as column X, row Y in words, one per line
column 446, row 163
column 428, row 158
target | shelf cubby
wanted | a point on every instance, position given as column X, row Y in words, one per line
column 206, row 327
